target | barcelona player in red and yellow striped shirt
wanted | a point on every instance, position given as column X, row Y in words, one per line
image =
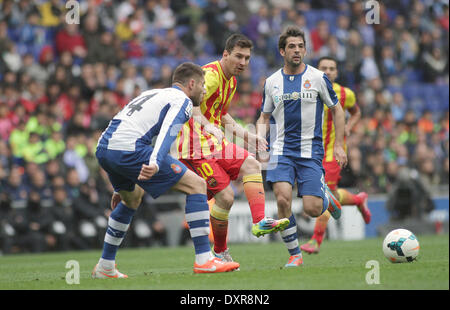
column 332, row 169
column 202, row 147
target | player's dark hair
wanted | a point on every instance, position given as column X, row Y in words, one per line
column 237, row 39
column 290, row 31
column 327, row 58
column 186, row 71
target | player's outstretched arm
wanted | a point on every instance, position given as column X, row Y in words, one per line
column 262, row 127
column 256, row 141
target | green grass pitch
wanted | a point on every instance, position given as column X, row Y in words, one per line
column 341, row 265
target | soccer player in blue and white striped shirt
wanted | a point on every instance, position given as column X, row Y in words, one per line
column 293, row 103
column 124, row 151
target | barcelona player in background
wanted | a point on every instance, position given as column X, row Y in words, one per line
column 202, row 147
column 332, row 169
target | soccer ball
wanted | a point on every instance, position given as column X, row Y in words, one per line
column 400, row 246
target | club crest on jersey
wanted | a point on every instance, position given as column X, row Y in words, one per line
column 212, row 182
column 307, row 84
column 177, row 169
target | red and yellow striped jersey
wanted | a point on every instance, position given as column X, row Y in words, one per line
column 347, row 100
column 192, row 141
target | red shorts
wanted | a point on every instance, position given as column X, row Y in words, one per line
column 219, row 169
column 332, row 174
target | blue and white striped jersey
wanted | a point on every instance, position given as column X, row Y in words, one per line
column 296, row 106
column 158, row 112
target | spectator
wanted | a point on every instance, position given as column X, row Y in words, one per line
column 70, row 39
column 6, row 125
column 333, row 49
column 39, row 184
column 67, row 92
column 103, row 50
column 35, row 150
column 426, row 123
column 39, row 220
column 12, row 58
column 4, row 39
column 353, row 51
column 435, row 65
column 64, row 226
column 320, row 35
column 17, row 191
column 73, row 159
column 91, row 217
column 164, row 16
column 342, row 30
column 55, row 145
column 91, row 30
column 31, row 33
column 369, row 69
column 7, row 231
column 398, row 107
column 409, row 198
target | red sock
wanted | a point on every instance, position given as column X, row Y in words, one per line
column 219, row 227
column 320, row 227
column 348, row 199
column 254, row 191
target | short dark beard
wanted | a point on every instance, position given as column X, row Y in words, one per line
column 196, row 101
column 293, row 64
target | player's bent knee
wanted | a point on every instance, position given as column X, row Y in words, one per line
column 313, row 209
column 251, row 166
column 199, row 186
column 132, row 199
column 225, row 198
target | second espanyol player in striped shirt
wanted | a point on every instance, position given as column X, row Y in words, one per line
column 293, row 104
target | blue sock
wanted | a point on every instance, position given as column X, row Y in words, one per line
column 197, row 218
column 290, row 237
column 118, row 224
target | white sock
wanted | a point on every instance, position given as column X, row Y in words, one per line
column 106, row 263
column 202, row 258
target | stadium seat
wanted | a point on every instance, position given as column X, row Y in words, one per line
column 412, row 76
column 204, row 59
column 411, row 91
column 150, row 48
column 433, row 105
column 331, row 17
column 181, row 30
column 13, row 34
column 392, row 14
column 442, row 92
column 169, row 60
column 394, row 89
column 312, row 17
column 258, row 62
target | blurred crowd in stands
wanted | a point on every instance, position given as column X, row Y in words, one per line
column 64, row 75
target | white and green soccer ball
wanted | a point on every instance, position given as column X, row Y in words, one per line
column 400, row 246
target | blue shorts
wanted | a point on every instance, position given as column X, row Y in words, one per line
column 308, row 173
column 124, row 167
